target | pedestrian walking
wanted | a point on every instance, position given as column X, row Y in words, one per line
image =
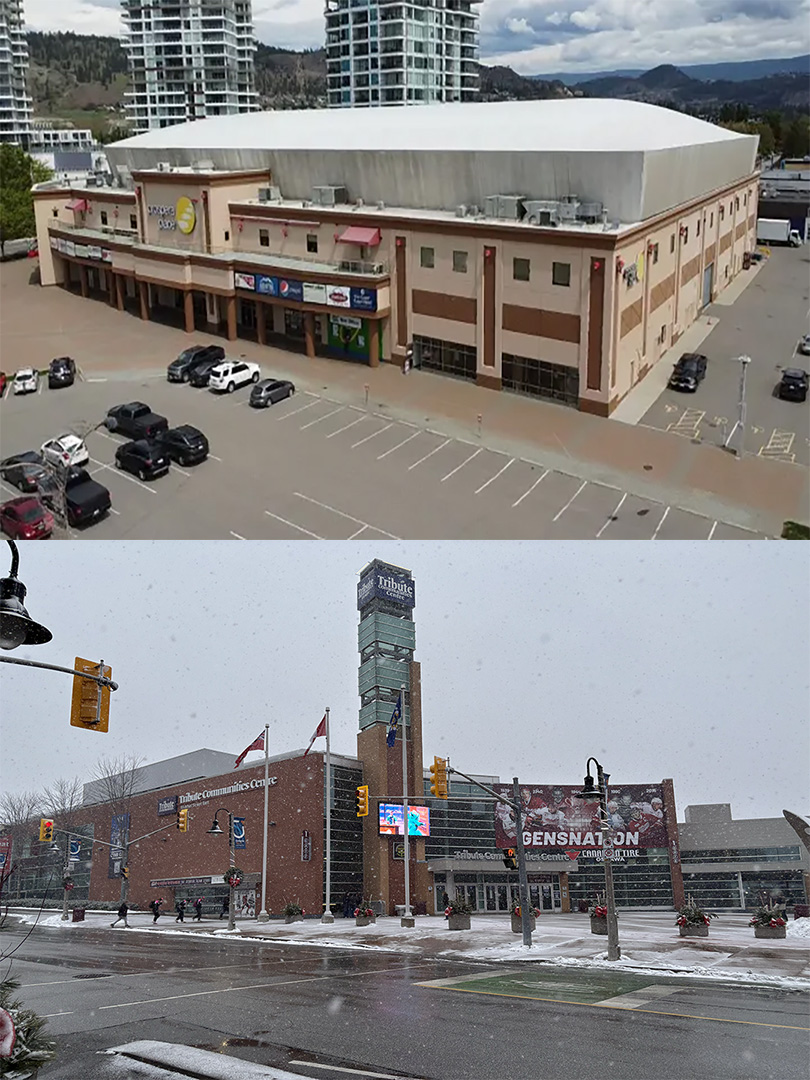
column 122, row 914
column 198, row 903
column 180, row 908
column 226, row 907
column 155, row 908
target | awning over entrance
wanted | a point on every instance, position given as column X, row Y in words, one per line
column 77, row 204
column 357, row 234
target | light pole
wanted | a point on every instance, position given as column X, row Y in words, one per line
column 590, row 792
column 215, row 830
column 16, row 625
column 743, row 361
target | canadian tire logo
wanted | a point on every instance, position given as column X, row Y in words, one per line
column 338, row 296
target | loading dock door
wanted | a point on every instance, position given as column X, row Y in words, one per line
column 708, row 278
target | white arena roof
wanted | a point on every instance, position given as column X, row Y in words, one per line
column 555, row 125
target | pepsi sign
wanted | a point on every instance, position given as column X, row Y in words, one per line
column 290, row 290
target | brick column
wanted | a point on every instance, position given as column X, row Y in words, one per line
column 374, row 343
column 119, row 292
column 188, row 311
column 83, row 280
column 231, row 316
column 309, row 333
column 261, row 326
column 111, row 287
column 143, row 293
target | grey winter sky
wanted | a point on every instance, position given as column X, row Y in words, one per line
column 688, row 661
column 536, row 36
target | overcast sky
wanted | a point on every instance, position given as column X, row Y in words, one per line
column 675, row 660
column 536, row 36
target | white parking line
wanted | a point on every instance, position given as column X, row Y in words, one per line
column 373, row 435
column 294, row 411
column 214, row 456
column 114, row 511
column 355, row 535
column 312, row 423
column 531, row 489
column 711, row 531
column 393, row 448
column 294, row 526
column 613, row 515
column 495, row 477
column 660, row 523
column 346, row 428
column 432, row 452
column 349, row 517
column 176, row 468
column 461, row 466
column 560, row 513
column 236, row 536
column 120, row 472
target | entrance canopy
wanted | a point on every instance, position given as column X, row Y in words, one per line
column 77, row 204
column 359, row 234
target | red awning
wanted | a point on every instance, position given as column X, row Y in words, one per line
column 357, row 234
column 77, row 204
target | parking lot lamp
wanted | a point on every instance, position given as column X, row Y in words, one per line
column 16, row 625
column 590, row 792
column 743, row 361
column 215, row 830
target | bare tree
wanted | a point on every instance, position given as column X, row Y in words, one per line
column 114, row 783
column 18, row 814
column 64, row 802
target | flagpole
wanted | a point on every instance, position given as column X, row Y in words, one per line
column 263, row 914
column 327, row 916
column 407, row 914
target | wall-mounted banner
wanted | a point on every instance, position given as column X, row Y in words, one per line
column 388, row 585
column 94, row 252
column 363, row 299
column 553, row 817
column 119, row 828
column 167, row 806
column 238, row 833
column 156, row 883
column 465, row 855
column 75, row 849
column 314, row 294
column 268, row 286
column 306, row 846
column 82, row 251
column 5, row 856
column 106, row 256
column 70, row 247
column 244, row 281
column 290, row 290
column 55, row 242
column 338, row 296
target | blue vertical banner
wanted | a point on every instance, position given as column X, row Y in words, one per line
column 119, row 831
column 238, row 833
column 75, row 848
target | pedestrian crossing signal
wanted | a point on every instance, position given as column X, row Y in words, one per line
column 182, row 820
column 361, row 801
column 509, row 860
column 45, row 830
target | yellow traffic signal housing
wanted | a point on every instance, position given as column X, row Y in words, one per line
column 361, row 801
column 438, row 785
column 182, row 820
column 124, row 871
column 90, row 704
column 45, row 830
column 509, row 859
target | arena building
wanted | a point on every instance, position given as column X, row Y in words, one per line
column 555, row 248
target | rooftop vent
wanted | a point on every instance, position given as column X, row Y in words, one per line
column 380, row 205
column 543, row 212
column 506, row 207
column 203, row 166
column 461, row 211
column 269, row 194
column 329, row 195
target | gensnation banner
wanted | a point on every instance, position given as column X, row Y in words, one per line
column 554, row 818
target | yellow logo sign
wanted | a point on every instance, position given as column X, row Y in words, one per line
column 185, row 215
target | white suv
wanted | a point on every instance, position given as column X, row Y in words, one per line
column 66, row 450
column 26, row 381
column 232, row 373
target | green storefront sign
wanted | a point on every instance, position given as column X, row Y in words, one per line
column 348, row 336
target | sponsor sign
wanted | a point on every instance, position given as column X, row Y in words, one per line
column 167, row 806
column 119, row 828
column 347, row 320
column 182, row 216
column 388, row 585
column 156, row 883
column 266, row 285
column 363, row 299
column 290, row 290
column 94, row 252
column 55, row 242
column 465, row 855
column 392, row 821
column 231, row 789
column 245, row 281
column 81, row 251
column 314, row 294
column 553, row 817
column 75, row 849
column 238, row 833
column 106, row 255
column 338, row 296
column 70, row 247
column 306, row 846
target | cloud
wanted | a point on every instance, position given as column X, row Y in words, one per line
column 518, row 26
column 588, row 20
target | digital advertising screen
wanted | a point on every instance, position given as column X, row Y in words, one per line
column 392, row 820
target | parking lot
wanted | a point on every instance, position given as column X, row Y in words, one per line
column 313, row 467
column 766, row 322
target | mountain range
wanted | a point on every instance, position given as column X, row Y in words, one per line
column 730, row 70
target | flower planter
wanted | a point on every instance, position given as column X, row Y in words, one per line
column 517, row 924
column 458, row 922
column 598, row 926
column 770, row 931
column 364, row 920
column 694, row 930
column 293, row 918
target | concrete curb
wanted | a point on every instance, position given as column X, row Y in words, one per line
column 202, row 1064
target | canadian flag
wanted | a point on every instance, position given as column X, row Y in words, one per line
column 320, row 730
column 258, row 744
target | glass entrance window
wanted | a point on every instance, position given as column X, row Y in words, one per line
column 540, row 379
column 491, row 901
column 293, row 323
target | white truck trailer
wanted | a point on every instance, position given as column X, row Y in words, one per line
column 777, row 231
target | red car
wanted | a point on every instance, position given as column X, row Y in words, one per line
column 25, row 518
column 3, row 378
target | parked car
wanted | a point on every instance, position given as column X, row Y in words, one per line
column 3, row 382
column 26, row 381
column 135, row 420
column 688, row 372
column 179, row 370
column 23, row 470
column 793, row 385
column 146, row 458
column 185, row 444
column 25, row 518
column 62, row 372
column 85, row 499
column 804, row 345
column 201, row 373
column 269, row 391
column 232, row 373
column 65, row 450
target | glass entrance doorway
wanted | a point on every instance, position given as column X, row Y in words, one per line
column 495, row 893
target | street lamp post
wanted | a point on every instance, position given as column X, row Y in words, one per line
column 742, row 408
column 215, row 830
column 590, row 792
column 16, row 625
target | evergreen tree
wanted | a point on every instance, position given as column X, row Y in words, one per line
column 18, row 173
column 32, row 1048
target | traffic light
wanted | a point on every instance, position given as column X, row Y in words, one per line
column 438, row 785
column 182, row 820
column 90, row 704
column 124, row 871
column 45, row 830
column 361, row 801
column 509, row 860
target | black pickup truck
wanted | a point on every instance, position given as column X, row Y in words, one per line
column 135, row 420
column 85, row 499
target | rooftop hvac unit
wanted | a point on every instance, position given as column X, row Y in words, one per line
column 203, row 166
column 380, row 205
column 569, row 208
column 269, row 194
column 359, row 202
column 507, row 207
column 590, row 211
column 329, row 195
column 473, row 211
column 164, row 166
column 543, row 212
column 461, row 211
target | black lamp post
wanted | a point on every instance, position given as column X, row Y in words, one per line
column 215, row 830
column 16, row 625
column 591, row 792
